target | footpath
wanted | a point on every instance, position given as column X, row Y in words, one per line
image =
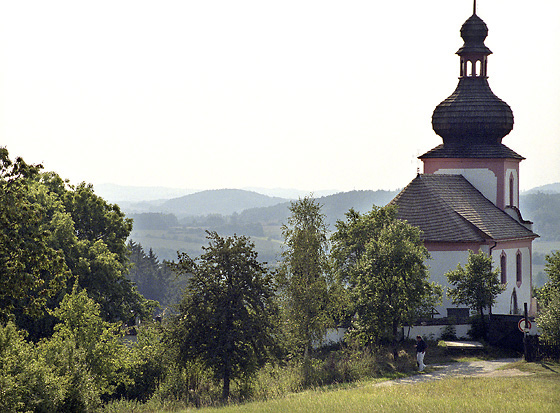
column 488, row 368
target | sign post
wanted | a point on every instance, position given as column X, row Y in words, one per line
column 526, row 327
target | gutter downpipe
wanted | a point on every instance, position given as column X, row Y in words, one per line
column 490, row 254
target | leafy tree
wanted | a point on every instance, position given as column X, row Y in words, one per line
column 548, row 318
column 154, row 279
column 31, row 271
column 85, row 351
column 52, row 234
column 27, row 382
column 303, row 274
column 476, row 285
column 382, row 259
column 225, row 318
column 552, row 270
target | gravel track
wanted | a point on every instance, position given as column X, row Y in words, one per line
column 488, row 368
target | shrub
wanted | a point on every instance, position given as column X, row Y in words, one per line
column 449, row 333
column 27, row 382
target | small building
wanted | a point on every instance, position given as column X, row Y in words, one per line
column 467, row 197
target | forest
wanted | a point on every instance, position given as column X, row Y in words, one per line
column 90, row 319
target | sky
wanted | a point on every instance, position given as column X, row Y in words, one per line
column 307, row 94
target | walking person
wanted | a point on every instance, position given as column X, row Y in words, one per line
column 421, row 347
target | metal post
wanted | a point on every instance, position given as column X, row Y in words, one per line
column 525, row 338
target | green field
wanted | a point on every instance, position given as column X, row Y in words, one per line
column 537, row 392
column 166, row 243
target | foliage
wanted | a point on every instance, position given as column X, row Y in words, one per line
column 302, row 276
column 72, row 370
column 31, row 270
column 27, row 382
column 147, row 364
column 225, row 318
column 86, row 351
column 548, row 318
column 475, row 285
column 552, row 270
column 381, row 259
column 51, row 235
column 154, row 280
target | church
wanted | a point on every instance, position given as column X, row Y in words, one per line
column 467, row 197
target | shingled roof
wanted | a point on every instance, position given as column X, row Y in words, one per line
column 496, row 151
column 447, row 208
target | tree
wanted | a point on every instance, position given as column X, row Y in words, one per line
column 548, row 318
column 154, row 280
column 226, row 315
column 382, row 259
column 51, row 234
column 87, row 353
column 552, row 286
column 476, row 285
column 31, row 271
column 303, row 274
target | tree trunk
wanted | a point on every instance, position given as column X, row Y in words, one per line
column 306, row 366
column 225, row 389
column 395, row 341
column 483, row 321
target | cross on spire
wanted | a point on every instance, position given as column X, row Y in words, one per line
column 474, row 7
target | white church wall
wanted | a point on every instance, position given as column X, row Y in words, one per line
column 442, row 262
column 504, row 304
column 482, row 179
column 434, row 332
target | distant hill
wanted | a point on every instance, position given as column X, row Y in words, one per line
column 127, row 194
column 290, row 193
column 334, row 207
column 218, row 201
column 543, row 209
column 545, row 189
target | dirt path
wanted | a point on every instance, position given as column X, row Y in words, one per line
column 460, row 369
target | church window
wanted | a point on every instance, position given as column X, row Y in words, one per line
column 503, row 268
column 511, row 192
column 518, row 268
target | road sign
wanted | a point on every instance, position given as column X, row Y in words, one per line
column 521, row 325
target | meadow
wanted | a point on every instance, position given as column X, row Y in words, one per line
column 537, row 392
column 273, row 391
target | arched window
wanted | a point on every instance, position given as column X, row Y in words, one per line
column 478, row 68
column 518, row 268
column 511, row 191
column 503, row 268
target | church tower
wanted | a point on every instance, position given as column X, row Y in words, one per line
column 467, row 199
column 472, row 123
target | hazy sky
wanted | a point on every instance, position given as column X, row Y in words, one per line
column 307, row 94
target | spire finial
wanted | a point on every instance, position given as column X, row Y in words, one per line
column 474, row 7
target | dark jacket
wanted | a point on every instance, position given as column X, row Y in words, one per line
column 421, row 346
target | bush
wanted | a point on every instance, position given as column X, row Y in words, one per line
column 449, row 333
column 27, row 382
column 478, row 329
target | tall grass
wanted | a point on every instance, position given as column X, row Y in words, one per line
column 535, row 393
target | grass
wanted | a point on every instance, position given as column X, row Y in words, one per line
column 538, row 392
column 277, row 389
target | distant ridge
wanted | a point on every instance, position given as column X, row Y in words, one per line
column 547, row 189
column 218, row 201
column 333, row 206
column 121, row 193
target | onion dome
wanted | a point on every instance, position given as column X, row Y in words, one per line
column 473, row 114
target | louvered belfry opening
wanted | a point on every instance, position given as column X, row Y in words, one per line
column 473, row 114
